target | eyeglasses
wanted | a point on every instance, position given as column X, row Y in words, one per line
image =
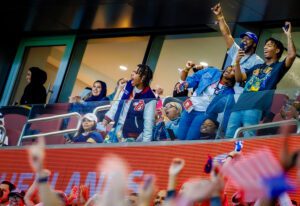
column 170, row 106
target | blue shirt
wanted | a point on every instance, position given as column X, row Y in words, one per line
column 261, row 82
column 247, row 61
column 94, row 135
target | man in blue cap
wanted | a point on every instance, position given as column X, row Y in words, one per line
column 261, row 81
column 249, row 43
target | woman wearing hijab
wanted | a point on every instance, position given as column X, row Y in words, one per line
column 35, row 92
column 98, row 93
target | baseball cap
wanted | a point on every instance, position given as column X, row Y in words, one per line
column 250, row 35
column 91, row 117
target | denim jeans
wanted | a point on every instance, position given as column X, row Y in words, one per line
column 189, row 125
column 243, row 118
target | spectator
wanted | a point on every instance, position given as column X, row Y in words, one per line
column 98, row 93
column 172, row 110
column 6, row 187
column 160, row 198
column 261, row 83
column 140, row 108
column 214, row 89
column 16, row 198
column 249, row 41
column 35, row 92
column 78, row 196
column 87, row 131
column 209, row 128
column 177, row 93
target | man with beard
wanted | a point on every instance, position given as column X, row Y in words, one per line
column 248, row 43
column 261, row 81
column 6, row 187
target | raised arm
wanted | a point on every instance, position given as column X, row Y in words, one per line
column 36, row 158
column 239, row 75
column 291, row 49
column 184, row 73
column 217, row 9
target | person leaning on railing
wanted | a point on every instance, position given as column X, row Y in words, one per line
column 261, row 81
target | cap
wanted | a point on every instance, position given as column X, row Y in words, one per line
column 174, row 102
column 250, row 35
column 171, row 99
column 17, row 192
column 91, row 117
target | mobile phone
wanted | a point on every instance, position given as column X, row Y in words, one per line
column 286, row 27
column 243, row 46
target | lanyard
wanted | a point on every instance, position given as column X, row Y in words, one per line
column 219, row 90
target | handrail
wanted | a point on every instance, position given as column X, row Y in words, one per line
column 268, row 125
column 101, row 108
column 3, row 133
column 42, row 119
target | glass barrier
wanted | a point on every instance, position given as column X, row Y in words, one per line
column 144, row 120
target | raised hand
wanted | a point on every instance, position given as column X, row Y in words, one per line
column 217, row 10
column 37, row 155
column 287, row 29
column 176, row 166
column 189, row 64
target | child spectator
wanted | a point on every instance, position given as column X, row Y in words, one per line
column 87, row 131
column 35, row 92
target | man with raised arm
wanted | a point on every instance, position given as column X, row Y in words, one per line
column 249, row 42
column 261, row 81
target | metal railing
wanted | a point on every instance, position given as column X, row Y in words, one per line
column 101, row 108
column 43, row 119
column 2, row 134
column 268, row 125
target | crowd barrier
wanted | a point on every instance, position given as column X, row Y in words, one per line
column 78, row 164
column 24, row 123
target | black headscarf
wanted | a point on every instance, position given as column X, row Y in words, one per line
column 101, row 96
column 35, row 92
